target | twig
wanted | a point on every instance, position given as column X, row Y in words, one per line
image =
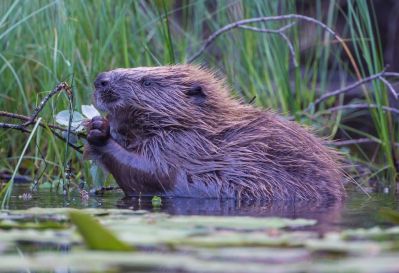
column 378, row 76
column 42, row 124
column 75, row 147
column 240, row 23
column 60, row 87
column 389, row 86
column 30, row 120
column 391, row 74
column 359, row 106
column 14, row 126
column 358, row 141
column 281, row 33
column 354, row 141
column 23, row 129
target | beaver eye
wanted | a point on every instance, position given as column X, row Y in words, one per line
column 147, row 83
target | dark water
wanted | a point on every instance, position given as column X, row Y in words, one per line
column 358, row 210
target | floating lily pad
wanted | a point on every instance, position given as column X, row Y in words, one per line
column 9, row 224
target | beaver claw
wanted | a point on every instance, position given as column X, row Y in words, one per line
column 98, row 131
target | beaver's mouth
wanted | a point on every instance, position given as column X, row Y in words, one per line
column 108, row 95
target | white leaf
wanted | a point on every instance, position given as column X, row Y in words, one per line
column 62, row 118
column 90, row 111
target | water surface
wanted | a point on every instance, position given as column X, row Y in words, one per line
column 358, row 210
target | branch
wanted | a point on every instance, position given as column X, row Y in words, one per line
column 24, row 130
column 239, row 24
column 358, row 141
column 389, row 86
column 30, row 120
column 281, row 33
column 14, row 126
column 354, row 141
column 60, row 87
column 75, row 147
column 42, row 124
column 359, row 106
column 378, row 76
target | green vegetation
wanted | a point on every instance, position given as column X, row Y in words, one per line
column 95, row 235
column 156, row 201
column 45, row 42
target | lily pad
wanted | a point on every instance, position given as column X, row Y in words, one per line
column 96, row 236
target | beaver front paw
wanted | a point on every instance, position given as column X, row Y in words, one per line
column 98, row 131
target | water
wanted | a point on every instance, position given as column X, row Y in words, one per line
column 358, row 210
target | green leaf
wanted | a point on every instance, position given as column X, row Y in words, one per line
column 96, row 236
column 156, row 201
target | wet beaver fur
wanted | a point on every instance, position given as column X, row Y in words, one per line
column 176, row 131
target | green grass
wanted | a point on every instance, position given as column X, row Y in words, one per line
column 45, row 42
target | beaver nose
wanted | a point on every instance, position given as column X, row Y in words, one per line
column 102, row 80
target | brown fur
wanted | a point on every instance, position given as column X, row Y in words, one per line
column 176, row 130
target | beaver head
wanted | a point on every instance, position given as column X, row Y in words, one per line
column 166, row 96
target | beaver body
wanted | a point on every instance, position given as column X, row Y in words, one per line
column 176, row 131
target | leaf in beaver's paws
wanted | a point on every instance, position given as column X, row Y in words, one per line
column 90, row 111
column 63, row 117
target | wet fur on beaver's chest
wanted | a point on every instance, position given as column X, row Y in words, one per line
column 212, row 145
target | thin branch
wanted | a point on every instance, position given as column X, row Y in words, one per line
column 279, row 32
column 389, row 86
column 359, row 106
column 42, row 124
column 60, row 87
column 23, row 129
column 14, row 126
column 30, row 120
column 391, row 74
column 358, row 141
column 240, row 23
column 354, row 141
column 379, row 76
column 75, row 147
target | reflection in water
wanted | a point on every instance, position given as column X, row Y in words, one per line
column 358, row 210
column 328, row 214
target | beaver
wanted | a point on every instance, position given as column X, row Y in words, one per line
column 177, row 131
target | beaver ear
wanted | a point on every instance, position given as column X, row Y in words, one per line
column 196, row 90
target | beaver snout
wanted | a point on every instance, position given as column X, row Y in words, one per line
column 104, row 90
